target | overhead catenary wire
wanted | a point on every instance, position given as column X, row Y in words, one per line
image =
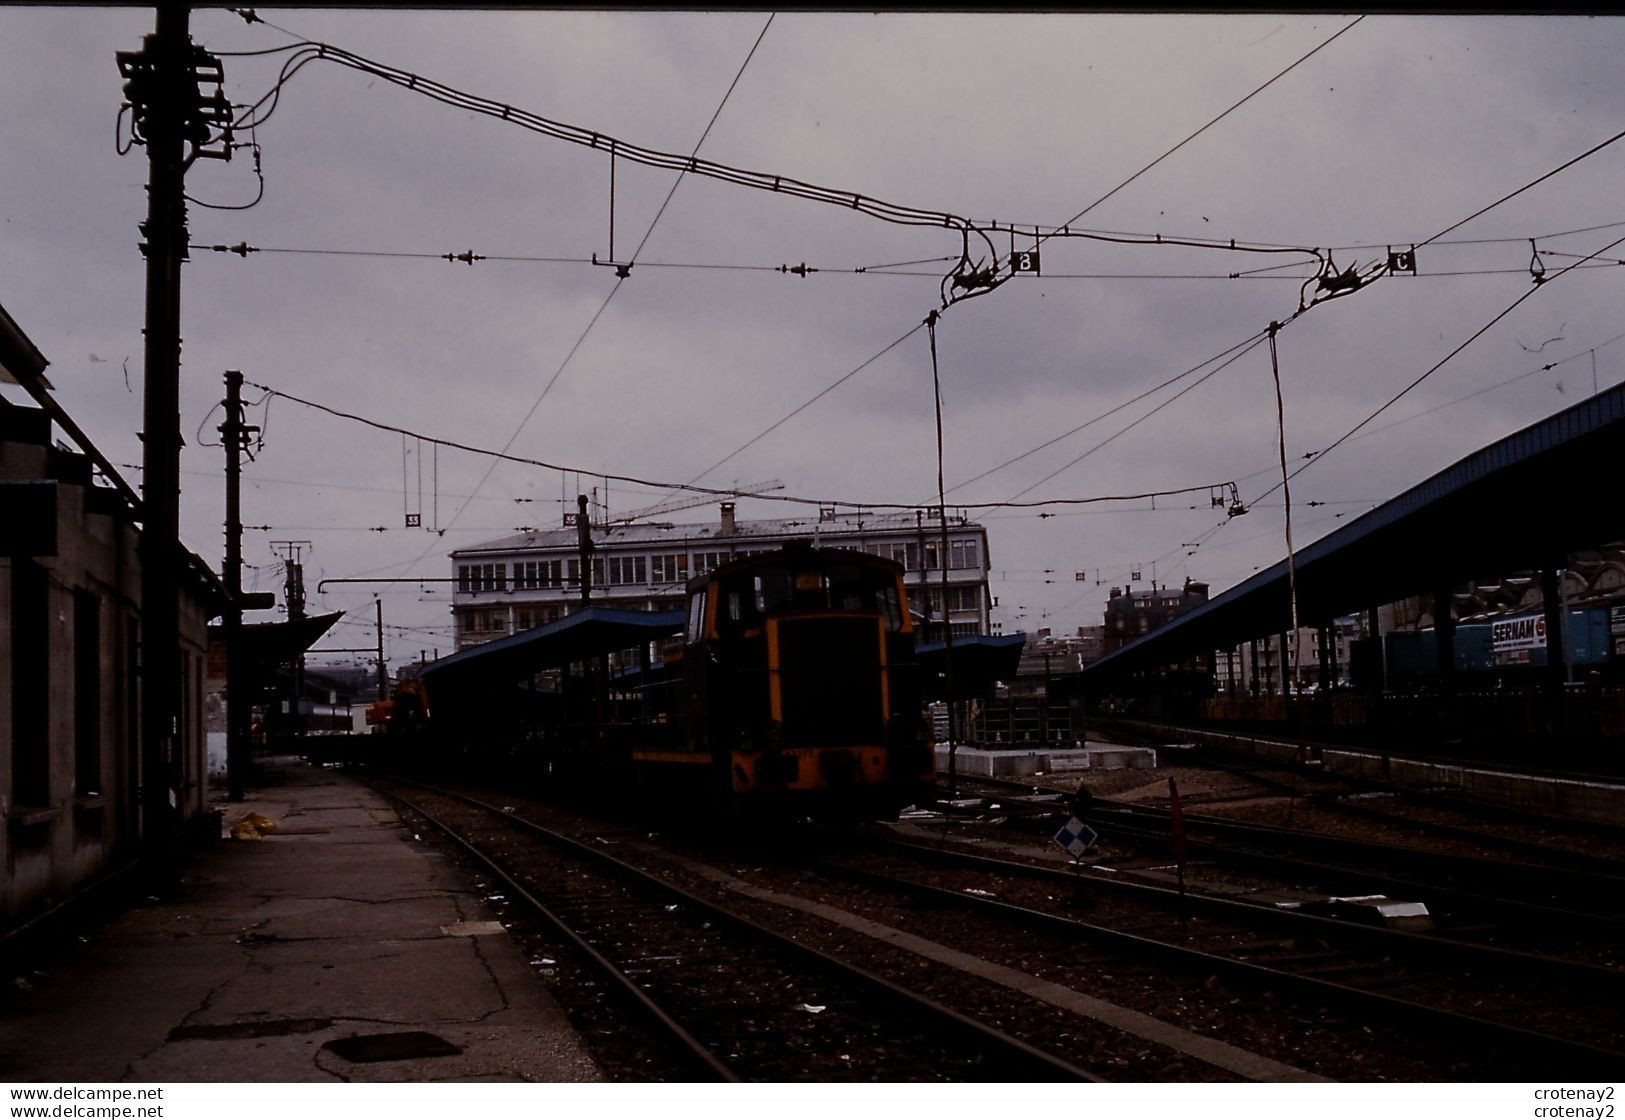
column 969, row 277
column 621, row 277
column 721, row 492
column 1379, row 273
column 1375, row 273
column 812, row 400
column 1246, row 348
column 1268, row 273
column 1253, row 339
column 1295, row 64
column 1431, row 370
column 1599, row 265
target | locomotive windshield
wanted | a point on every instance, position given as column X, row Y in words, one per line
column 747, row 598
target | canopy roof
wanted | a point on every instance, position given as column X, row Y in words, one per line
column 980, row 662
column 575, row 637
column 1519, row 503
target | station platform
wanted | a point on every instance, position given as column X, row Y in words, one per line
column 1581, row 798
column 338, row 948
column 1023, row 761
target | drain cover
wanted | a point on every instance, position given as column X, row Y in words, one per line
column 265, row 1028
column 395, row 1047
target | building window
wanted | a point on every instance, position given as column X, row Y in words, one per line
column 959, row 599
column 964, row 554
column 709, row 561
column 30, row 684
column 87, row 692
column 531, row 575
column 622, row 570
column 670, row 567
column 482, row 577
column 907, row 555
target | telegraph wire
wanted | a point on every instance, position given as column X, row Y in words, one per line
column 722, row 492
column 1502, row 314
column 621, row 275
column 810, row 401
column 968, row 279
column 1215, row 121
column 242, row 249
column 1491, row 388
column 1247, row 348
column 1381, row 271
column 1104, row 415
column 971, row 279
column 1532, row 183
column 700, row 143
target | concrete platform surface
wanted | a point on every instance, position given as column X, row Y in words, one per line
column 274, row 952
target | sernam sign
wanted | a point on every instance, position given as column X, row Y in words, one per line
column 1518, row 633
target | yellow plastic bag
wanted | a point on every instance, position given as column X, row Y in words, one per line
column 252, row 826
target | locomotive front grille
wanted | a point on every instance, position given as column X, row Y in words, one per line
column 828, row 680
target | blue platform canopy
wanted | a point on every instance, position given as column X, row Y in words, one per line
column 576, row 637
column 980, row 662
column 1520, row 503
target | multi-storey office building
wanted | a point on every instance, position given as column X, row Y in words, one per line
column 518, row 582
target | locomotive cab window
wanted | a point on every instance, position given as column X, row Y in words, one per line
column 748, row 598
column 696, row 616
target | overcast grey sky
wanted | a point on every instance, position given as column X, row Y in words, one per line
column 1392, row 133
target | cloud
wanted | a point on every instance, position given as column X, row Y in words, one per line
column 1400, row 128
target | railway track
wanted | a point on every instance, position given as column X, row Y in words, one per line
column 722, row 996
column 1446, row 799
column 1558, row 841
column 1543, row 1016
column 1200, row 989
column 1538, row 904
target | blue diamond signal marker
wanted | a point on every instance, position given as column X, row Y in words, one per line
column 1076, row 837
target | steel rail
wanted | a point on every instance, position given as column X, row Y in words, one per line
column 1540, row 878
column 1594, row 1061
column 1527, row 910
column 700, row 1054
column 1025, row 1056
column 1493, row 957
